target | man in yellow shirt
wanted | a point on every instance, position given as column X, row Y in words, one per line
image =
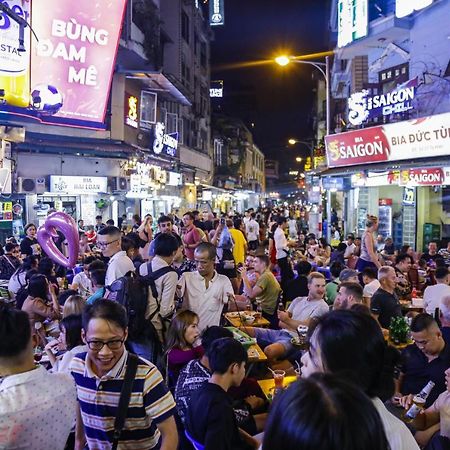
column 240, row 243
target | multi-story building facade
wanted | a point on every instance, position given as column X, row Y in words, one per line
column 153, row 145
column 391, row 95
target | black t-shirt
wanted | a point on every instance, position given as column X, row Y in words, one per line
column 417, row 372
column 29, row 246
column 427, row 256
column 386, row 306
column 210, row 420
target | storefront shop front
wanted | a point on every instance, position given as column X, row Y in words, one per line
column 399, row 172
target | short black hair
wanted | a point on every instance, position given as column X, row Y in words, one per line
column 98, row 217
column 207, row 247
column 98, row 264
column 109, row 231
column 224, row 352
column 342, row 246
column 303, row 268
column 65, row 295
column 336, row 268
column 131, row 240
column 165, row 244
column 107, row 310
column 190, row 215
column 354, row 289
column 72, row 324
column 422, row 322
column 164, row 219
column 45, row 266
column 213, row 333
column 281, row 220
column 98, row 277
column 38, row 286
column 370, row 272
column 237, row 223
column 9, row 247
column 15, row 332
column 441, row 272
column 401, row 257
column 110, row 222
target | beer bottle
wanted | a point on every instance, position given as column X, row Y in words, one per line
column 418, row 403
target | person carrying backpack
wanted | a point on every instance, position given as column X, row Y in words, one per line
column 162, row 279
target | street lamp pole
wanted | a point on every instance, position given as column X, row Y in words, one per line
column 324, row 69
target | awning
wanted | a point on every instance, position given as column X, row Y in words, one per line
column 158, row 82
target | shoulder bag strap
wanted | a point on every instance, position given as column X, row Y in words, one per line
column 124, row 400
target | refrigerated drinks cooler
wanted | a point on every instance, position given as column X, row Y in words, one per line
column 385, row 217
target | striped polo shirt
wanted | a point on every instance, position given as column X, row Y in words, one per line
column 150, row 403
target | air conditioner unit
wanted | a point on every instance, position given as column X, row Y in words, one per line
column 119, row 184
column 31, row 185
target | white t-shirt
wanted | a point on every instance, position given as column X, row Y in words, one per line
column 119, row 265
column 83, row 282
column 349, row 250
column 281, row 243
column 433, row 295
column 207, row 303
column 397, row 433
column 303, row 309
column 442, row 406
column 63, row 364
column 370, row 288
column 252, row 230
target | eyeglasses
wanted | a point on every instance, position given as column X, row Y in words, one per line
column 105, row 244
column 112, row 345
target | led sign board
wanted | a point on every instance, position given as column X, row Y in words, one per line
column 216, row 12
column 216, row 89
column 353, row 21
column 131, row 110
column 404, row 8
column 164, row 143
column 72, row 63
column 362, row 106
column 78, row 185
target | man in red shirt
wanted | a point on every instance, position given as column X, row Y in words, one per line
column 191, row 236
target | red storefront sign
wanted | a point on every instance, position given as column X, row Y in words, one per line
column 420, row 138
column 430, row 176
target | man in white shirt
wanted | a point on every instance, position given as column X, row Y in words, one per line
column 161, row 308
column 433, row 295
column 252, row 230
column 109, row 240
column 37, row 408
column 370, row 280
column 282, row 252
column 277, row 343
column 351, row 247
column 204, row 291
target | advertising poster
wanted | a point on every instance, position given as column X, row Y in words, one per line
column 419, row 138
column 72, row 60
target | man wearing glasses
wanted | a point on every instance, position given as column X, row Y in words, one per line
column 109, row 242
column 99, row 376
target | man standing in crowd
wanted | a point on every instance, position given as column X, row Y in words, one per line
column 384, row 303
column 109, row 241
column 165, row 225
column 239, row 241
column 191, row 237
column 252, row 230
column 282, row 252
column 351, row 247
column 348, row 294
column 433, row 295
column 204, row 291
column 267, row 289
column 99, row 376
column 161, row 308
column 99, row 223
column 37, row 408
column 277, row 343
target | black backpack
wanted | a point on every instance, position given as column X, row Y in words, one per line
column 131, row 291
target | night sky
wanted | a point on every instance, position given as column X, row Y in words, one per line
column 277, row 100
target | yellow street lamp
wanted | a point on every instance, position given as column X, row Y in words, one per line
column 292, row 141
column 299, row 159
column 282, row 60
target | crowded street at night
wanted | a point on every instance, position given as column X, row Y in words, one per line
column 225, row 225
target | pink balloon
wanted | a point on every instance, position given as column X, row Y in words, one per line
column 64, row 223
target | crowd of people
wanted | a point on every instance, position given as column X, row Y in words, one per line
column 130, row 348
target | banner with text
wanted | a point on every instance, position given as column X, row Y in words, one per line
column 419, row 138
